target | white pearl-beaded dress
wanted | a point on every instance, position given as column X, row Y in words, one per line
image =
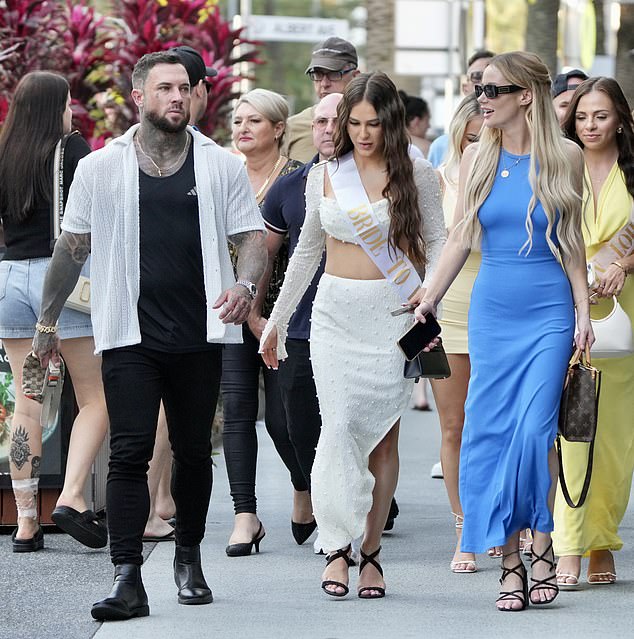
column 357, row 365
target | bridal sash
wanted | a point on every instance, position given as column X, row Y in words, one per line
column 373, row 239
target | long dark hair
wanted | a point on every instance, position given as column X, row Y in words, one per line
column 625, row 139
column 405, row 217
column 415, row 107
column 33, row 126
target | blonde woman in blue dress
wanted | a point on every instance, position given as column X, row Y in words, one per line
column 519, row 199
column 357, row 365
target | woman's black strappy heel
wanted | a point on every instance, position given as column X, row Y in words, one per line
column 550, row 583
column 512, row 595
column 342, row 553
column 365, row 592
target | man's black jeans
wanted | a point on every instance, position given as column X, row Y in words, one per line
column 299, row 397
column 135, row 381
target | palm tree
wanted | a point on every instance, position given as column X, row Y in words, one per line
column 541, row 31
column 624, row 72
column 380, row 35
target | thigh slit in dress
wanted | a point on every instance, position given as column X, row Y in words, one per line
column 357, row 365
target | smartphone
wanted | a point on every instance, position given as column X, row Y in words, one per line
column 401, row 310
column 418, row 336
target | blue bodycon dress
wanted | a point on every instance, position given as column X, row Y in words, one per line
column 521, row 325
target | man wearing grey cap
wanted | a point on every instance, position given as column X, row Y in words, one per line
column 332, row 65
column 564, row 86
column 198, row 73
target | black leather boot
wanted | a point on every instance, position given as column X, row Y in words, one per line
column 188, row 575
column 127, row 598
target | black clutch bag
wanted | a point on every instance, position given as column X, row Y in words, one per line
column 432, row 365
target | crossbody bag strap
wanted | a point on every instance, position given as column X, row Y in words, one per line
column 588, row 477
column 358, row 213
column 57, row 212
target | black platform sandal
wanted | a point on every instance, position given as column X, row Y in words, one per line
column 342, row 553
column 363, row 593
column 550, row 583
column 511, row 595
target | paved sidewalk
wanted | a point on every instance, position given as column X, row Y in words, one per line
column 275, row 594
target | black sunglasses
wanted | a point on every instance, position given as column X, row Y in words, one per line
column 492, row 90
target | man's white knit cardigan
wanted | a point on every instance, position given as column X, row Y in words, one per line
column 104, row 201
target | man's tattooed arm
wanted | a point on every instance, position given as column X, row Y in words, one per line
column 252, row 257
column 70, row 254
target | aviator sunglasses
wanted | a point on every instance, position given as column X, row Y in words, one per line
column 492, row 90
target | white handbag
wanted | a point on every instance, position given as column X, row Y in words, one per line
column 613, row 334
column 79, row 299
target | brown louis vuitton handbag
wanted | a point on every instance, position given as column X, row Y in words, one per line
column 578, row 414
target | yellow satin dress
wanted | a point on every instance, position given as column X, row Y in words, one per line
column 455, row 303
column 595, row 525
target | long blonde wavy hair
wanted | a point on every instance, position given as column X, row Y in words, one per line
column 468, row 109
column 553, row 185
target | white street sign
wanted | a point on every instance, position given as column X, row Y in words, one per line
column 293, row 29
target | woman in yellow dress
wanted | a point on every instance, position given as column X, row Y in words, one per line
column 600, row 121
column 451, row 393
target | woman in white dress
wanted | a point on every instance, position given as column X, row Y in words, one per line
column 357, row 365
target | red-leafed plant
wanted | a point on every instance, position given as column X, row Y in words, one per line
column 97, row 53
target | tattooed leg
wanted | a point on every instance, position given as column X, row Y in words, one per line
column 35, row 466
column 20, row 448
column 25, row 491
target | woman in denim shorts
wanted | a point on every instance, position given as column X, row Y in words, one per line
column 38, row 118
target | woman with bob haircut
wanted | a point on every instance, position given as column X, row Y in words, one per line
column 519, row 199
column 258, row 128
column 600, row 122
column 374, row 211
column 39, row 117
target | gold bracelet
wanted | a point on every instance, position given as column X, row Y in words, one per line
column 620, row 266
column 40, row 328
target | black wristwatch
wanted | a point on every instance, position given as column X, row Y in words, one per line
column 250, row 286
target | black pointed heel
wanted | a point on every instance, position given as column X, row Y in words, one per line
column 363, row 593
column 242, row 550
column 392, row 515
column 550, row 583
column 342, row 553
column 301, row 532
column 512, row 595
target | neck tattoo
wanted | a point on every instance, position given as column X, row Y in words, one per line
column 261, row 190
column 159, row 170
column 506, row 170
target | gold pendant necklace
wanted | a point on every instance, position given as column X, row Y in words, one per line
column 261, row 190
column 506, row 171
column 156, row 166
